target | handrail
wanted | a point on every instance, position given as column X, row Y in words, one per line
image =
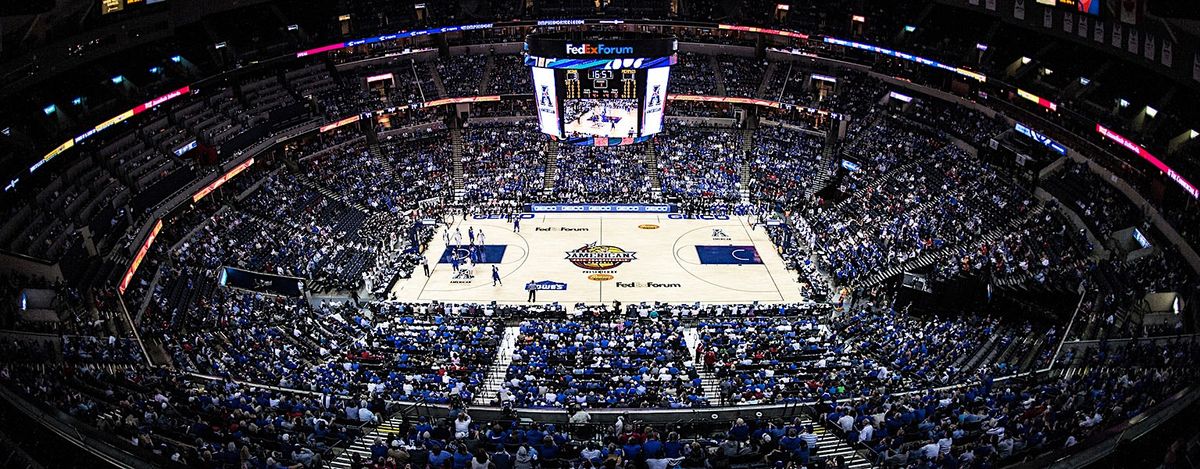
column 1103, row 443
column 102, row 450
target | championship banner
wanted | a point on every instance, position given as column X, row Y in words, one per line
column 1129, row 11
column 1166, row 52
column 601, row 208
column 261, row 282
column 1019, row 9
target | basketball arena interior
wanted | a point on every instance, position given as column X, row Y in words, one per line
column 584, row 234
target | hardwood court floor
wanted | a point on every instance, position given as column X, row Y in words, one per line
column 625, row 257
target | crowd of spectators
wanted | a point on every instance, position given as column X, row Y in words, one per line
column 617, row 363
column 509, row 75
column 741, row 75
column 1102, row 208
column 693, row 74
column 700, row 163
column 503, row 162
column 940, row 200
column 462, row 74
column 419, row 166
column 784, row 165
column 601, row 175
column 1042, row 250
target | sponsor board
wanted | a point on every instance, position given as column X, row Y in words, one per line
column 523, row 216
column 599, row 257
column 600, row 277
column 600, row 208
column 547, row 285
column 680, row 216
column 647, row 285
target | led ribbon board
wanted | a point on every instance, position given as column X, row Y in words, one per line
column 393, row 37
column 137, row 260
column 904, row 56
column 151, row 104
column 221, row 180
column 1043, row 102
column 1133, row 147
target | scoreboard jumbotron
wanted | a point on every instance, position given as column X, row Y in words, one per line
column 600, row 88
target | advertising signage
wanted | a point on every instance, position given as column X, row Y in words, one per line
column 1133, row 147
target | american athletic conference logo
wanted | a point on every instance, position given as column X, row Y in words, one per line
column 599, row 257
column 545, row 97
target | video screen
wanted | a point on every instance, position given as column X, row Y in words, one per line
column 546, row 97
column 601, row 117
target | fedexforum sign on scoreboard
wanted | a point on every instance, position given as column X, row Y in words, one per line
column 598, row 49
column 600, row 88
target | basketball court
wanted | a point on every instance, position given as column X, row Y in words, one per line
column 606, row 118
column 598, row 258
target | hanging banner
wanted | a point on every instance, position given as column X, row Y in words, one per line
column 1166, row 52
column 1082, row 28
column 1098, row 32
column 1019, row 9
column 1148, row 48
column 1047, row 18
column 990, row 4
column 1196, row 66
column 1116, row 37
column 1068, row 22
column 1133, row 42
column 1129, row 11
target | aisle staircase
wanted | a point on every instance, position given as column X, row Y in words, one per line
column 830, row 446
column 744, row 168
column 708, row 380
column 650, row 161
column 485, row 83
column 431, row 66
column 456, row 148
column 716, row 68
column 825, row 169
column 551, row 166
column 768, row 74
column 498, row 369
column 362, row 446
column 327, row 192
column 929, row 258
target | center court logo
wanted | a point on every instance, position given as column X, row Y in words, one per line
column 599, row 257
